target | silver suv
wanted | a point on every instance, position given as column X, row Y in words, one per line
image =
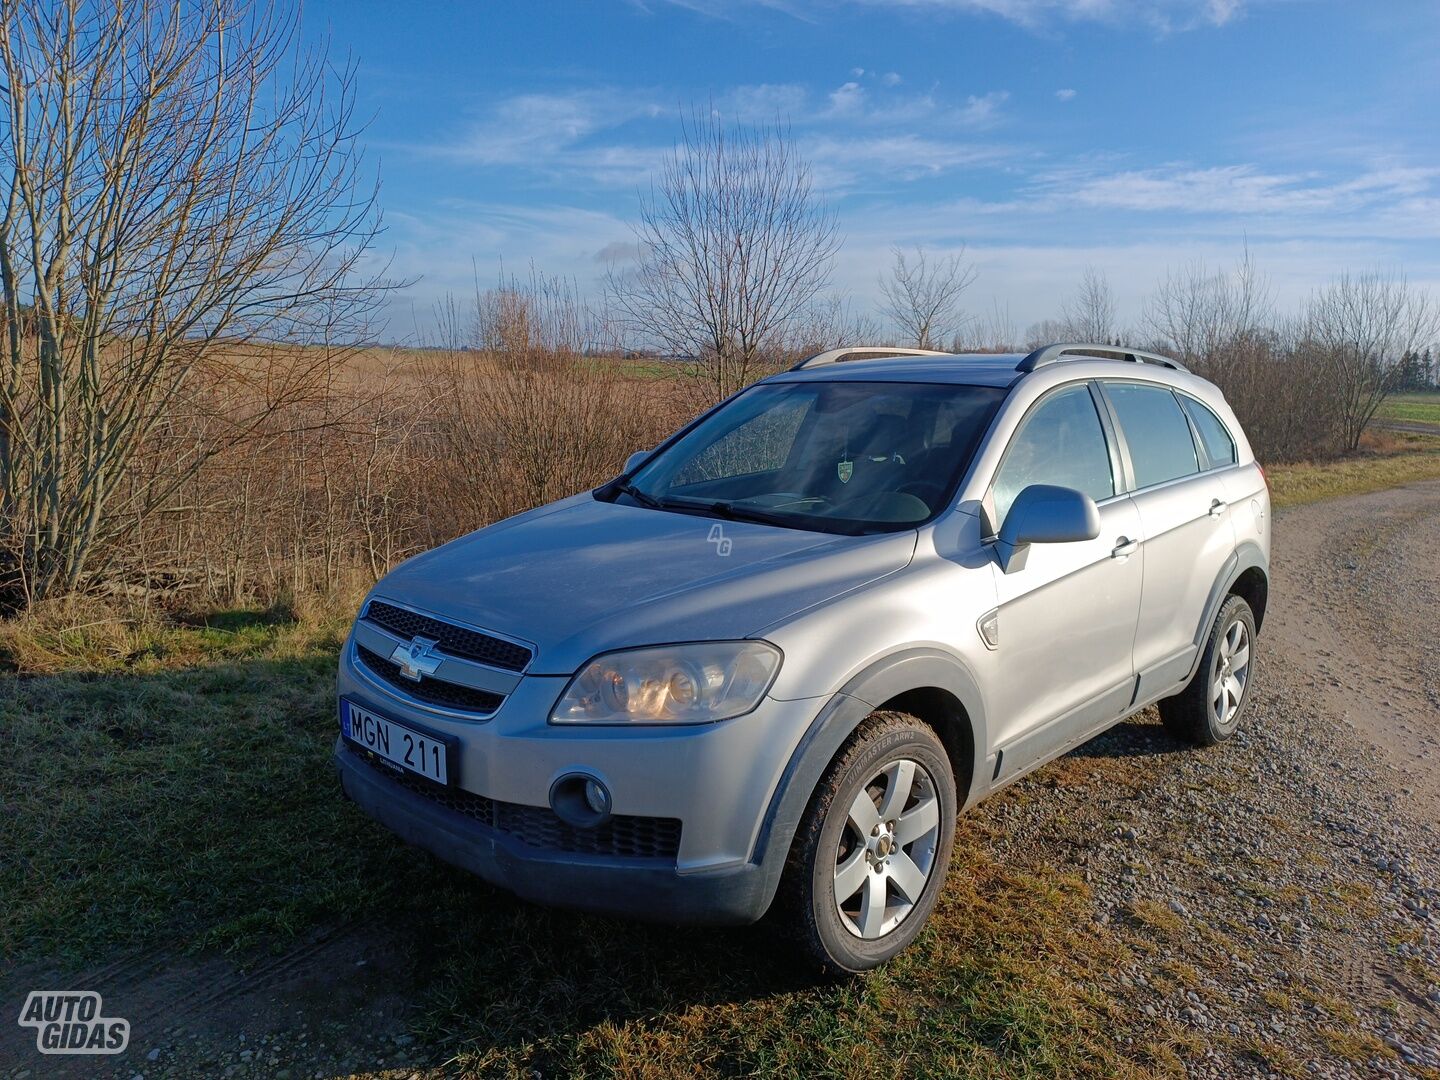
column 770, row 663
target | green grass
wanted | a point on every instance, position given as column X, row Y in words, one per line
column 1419, row 408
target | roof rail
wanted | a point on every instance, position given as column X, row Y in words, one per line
column 861, row 352
column 1050, row 354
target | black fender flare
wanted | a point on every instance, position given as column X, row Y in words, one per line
column 883, row 679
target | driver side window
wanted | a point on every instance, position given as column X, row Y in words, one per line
column 1061, row 442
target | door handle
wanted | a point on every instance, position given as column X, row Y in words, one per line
column 1124, row 547
column 1217, row 507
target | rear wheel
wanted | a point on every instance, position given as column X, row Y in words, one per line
column 873, row 848
column 1209, row 710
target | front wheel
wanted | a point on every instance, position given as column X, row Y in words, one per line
column 871, row 854
column 1210, row 708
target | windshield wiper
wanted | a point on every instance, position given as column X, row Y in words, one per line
column 644, row 498
column 746, row 513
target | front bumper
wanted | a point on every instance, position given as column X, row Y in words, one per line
column 635, row 887
column 716, row 783
column 717, row 779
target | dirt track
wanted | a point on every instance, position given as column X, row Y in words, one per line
column 1278, row 893
column 1358, row 582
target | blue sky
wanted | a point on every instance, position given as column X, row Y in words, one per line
column 1045, row 135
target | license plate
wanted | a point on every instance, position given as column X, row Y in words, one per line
column 421, row 752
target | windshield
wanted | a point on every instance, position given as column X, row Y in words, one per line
column 846, row 457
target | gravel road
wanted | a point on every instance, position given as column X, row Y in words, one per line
column 1279, row 894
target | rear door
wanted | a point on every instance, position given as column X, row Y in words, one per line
column 1185, row 526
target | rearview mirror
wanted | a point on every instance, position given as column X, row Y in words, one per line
column 634, row 460
column 1045, row 514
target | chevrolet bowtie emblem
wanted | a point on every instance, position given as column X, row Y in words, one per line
column 418, row 658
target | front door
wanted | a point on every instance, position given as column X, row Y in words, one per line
column 1066, row 621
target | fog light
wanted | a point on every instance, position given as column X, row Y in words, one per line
column 597, row 798
column 580, row 800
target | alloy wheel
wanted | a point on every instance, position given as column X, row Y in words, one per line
column 1231, row 674
column 887, row 849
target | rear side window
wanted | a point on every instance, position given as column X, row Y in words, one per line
column 1161, row 447
column 1061, row 442
column 1219, row 446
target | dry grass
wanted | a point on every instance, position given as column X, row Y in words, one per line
column 389, row 452
column 1398, row 461
column 133, row 801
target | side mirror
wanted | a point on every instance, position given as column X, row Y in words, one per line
column 1045, row 514
column 633, row 460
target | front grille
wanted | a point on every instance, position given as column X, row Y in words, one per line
column 437, row 692
column 452, row 639
column 538, row 826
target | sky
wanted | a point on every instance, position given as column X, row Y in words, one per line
column 1041, row 136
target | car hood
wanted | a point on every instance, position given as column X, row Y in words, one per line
column 582, row 576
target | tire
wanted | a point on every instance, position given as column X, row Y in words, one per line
column 841, row 841
column 1212, row 706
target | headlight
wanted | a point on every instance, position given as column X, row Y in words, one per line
column 670, row 684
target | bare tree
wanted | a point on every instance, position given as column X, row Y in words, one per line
column 734, row 247
column 828, row 323
column 992, row 333
column 1048, row 332
column 922, row 297
column 178, row 185
column 1362, row 325
column 1201, row 317
column 1090, row 313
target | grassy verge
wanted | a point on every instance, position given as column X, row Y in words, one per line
column 1405, row 460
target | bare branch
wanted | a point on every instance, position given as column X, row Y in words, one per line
column 735, row 246
column 922, row 298
column 180, row 181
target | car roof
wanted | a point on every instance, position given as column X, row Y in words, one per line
column 966, row 369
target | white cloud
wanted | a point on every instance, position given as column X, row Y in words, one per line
column 1164, row 16
column 844, row 162
column 891, row 78
column 984, row 111
column 1239, row 189
column 606, row 138
column 560, row 132
column 848, row 99
column 618, row 251
column 854, row 104
column 1066, row 94
column 1220, row 12
column 765, row 101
